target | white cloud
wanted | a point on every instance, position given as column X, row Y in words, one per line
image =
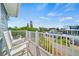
column 65, row 19
column 42, row 6
column 54, row 14
column 68, row 17
column 44, row 18
column 69, row 9
column 51, row 14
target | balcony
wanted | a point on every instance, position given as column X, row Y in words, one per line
column 42, row 43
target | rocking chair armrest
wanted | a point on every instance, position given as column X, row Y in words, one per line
column 16, row 46
column 16, row 40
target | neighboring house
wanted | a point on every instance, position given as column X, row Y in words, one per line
column 6, row 10
column 72, row 27
column 72, row 30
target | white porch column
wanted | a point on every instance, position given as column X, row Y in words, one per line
column 37, row 43
column 27, row 39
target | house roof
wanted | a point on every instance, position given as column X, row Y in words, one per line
column 12, row 8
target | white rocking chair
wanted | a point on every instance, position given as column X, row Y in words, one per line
column 16, row 40
column 14, row 49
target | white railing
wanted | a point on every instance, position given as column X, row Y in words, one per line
column 49, row 44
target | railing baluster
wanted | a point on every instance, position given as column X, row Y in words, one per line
column 49, row 39
column 48, row 42
column 66, row 46
column 72, row 47
column 53, row 45
column 44, row 39
column 57, row 45
column 72, row 44
column 61, row 45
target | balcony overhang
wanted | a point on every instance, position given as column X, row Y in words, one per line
column 12, row 9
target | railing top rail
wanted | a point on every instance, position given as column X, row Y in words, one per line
column 63, row 35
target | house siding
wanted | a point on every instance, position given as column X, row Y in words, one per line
column 3, row 27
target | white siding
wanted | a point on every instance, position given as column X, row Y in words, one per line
column 3, row 27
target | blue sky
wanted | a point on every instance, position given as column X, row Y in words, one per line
column 46, row 15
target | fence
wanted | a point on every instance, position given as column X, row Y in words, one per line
column 48, row 44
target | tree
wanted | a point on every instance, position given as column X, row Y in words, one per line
column 42, row 29
column 31, row 25
column 15, row 27
column 9, row 28
column 27, row 25
column 57, row 29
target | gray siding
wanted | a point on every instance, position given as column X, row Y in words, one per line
column 3, row 27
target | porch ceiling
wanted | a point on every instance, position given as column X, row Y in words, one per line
column 12, row 8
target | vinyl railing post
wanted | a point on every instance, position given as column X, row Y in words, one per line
column 29, row 39
column 37, row 37
column 37, row 43
column 27, row 35
column 27, row 43
column 47, row 42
